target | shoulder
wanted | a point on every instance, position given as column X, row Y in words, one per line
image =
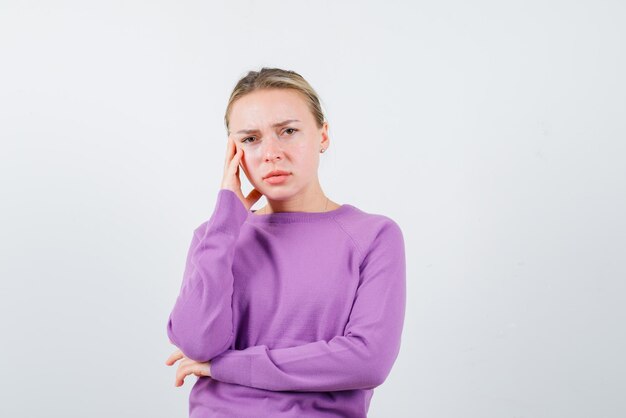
column 370, row 230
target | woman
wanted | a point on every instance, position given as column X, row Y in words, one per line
column 297, row 309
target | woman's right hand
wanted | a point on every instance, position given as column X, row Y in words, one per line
column 231, row 180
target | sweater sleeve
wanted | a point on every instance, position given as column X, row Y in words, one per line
column 201, row 322
column 361, row 358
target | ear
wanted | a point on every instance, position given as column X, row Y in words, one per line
column 324, row 134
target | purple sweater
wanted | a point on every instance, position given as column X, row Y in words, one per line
column 300, row 313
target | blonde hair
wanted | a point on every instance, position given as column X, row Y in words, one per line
column 269, row 78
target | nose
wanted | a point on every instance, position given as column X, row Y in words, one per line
column 272, row 149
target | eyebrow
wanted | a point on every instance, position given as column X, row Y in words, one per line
column 250, row 131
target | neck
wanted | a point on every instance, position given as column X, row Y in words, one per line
column 320, row 206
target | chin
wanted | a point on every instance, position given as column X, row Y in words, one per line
column 277, row 193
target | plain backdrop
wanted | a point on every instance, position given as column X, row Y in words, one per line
column 493, row 132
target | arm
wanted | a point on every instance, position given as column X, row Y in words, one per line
column 201, row 322
column 362, row 358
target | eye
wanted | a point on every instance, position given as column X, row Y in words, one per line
column 244, row 141
column 291, row 129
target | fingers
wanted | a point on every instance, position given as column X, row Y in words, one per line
column 174, row 357
column 233, row 157
column 181, row 373
column 231, row 177
column 232, row 151
column 188, row 367
column 234, row 163
column 229, row 150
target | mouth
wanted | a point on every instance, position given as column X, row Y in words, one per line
column 276, row 173
column 277, row 177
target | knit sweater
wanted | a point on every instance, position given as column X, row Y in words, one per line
column 299, row 313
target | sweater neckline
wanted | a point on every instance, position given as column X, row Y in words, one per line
column 291, row 217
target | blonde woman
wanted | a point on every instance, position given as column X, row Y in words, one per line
column 296, row 309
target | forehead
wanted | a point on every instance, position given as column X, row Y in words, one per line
column 262, row 108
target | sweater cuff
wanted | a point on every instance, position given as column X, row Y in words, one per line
column 229, row 213
column 234, row 366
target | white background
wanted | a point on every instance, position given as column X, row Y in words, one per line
column 493, row 132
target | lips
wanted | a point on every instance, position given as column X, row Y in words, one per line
column 276, row 173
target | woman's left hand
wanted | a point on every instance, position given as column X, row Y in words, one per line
column 187, row 367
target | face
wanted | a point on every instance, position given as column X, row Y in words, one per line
column 277, row 131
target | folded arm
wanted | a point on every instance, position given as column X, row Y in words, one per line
column 362, row 358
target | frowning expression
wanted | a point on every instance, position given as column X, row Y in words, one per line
column 277, row 131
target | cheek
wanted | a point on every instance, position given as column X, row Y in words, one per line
column 305, row 160
column 251, row 162
column 301, row 157
column 304, row 152
column 252, row 153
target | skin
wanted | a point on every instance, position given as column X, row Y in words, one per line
column 187, row 366
column 294, row 147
